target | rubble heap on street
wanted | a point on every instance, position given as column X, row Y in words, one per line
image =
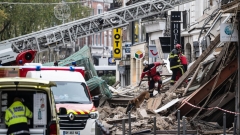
column 212, row 78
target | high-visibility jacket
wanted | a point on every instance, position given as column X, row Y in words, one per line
column 17, row 113
column 174, row 59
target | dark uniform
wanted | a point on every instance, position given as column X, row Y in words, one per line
column 16, row 119
column 175, row 65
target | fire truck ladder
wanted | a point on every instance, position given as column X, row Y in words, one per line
column 68, row 33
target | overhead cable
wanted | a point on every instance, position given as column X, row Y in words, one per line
column 52, row 3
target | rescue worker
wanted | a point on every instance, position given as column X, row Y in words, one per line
column 175, row 63
column 153, row 76
column 16, row 118
column 184, row 61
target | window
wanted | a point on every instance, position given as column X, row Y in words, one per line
column 71, row 92
column 99, row 11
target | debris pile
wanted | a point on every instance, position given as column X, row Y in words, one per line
column 141, row 118
column 212, row 78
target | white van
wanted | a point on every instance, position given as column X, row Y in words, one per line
column 74, row 104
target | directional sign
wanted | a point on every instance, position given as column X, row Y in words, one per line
column 153, row 53
column 117, row 43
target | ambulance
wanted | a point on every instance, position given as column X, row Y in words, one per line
column 74, row 104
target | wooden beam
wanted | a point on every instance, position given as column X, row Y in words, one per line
column 193, row 67
column 204, row 91
column 193, row 78
column 214, row 66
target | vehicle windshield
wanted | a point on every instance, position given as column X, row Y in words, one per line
column 71, row 92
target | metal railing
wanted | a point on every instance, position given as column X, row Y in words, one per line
column 181, row 130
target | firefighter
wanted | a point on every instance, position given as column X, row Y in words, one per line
column 16, row 118
column 153, row 76
column 184, row 61
column 175, row 63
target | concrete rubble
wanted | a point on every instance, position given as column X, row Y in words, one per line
column 164, row 106
column 141, row 118
column 211, row 91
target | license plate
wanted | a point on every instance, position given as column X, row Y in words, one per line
column 71, row 132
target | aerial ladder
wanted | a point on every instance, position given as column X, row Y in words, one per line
column 68, row 33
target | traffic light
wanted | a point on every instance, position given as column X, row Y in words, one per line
column 26, row 56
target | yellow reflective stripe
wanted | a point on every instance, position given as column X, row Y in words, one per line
column 172, row 81
column 175, row 66
column 87, row 111
column 178, row 60
column 175, row 55
column 181, row 70
column 71, row 111
column 81, row 112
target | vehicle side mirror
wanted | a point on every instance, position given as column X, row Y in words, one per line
column 62, row 111
column 95, row 100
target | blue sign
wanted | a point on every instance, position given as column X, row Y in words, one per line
column 127, row 50
column 111, row 61
column 127, row 47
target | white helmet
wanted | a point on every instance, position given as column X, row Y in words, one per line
column 145, row 62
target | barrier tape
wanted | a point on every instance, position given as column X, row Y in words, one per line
column 211, row 108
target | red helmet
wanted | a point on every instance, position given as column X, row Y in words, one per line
column 178, row 46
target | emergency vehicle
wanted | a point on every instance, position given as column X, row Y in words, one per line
column 71, row 94
column 36, row 95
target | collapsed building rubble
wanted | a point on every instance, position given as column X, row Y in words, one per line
column 212, row 85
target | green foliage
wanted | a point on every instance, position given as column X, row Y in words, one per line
column 109, row 79
column 21, row 19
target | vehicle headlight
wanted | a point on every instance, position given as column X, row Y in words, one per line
column 93, row 115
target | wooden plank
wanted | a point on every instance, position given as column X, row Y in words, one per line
column 196, row 63
column 193, row 78
column 204, row 91
column 215, row 65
